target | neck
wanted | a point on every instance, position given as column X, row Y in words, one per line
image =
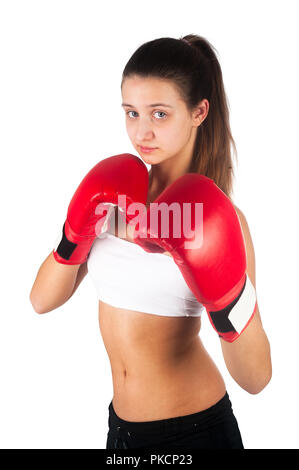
column 163, row 174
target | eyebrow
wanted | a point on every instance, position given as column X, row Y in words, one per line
column 150, row 105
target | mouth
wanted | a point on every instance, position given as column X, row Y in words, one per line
column 147, row 149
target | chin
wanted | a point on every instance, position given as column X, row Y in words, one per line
column 150, row 159
column 146, row 159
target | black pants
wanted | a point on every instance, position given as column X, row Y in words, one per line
column 213, row 428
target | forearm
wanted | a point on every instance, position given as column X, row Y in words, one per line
column 53, row 285
column 248, row 358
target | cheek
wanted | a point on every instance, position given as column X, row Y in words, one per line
column 132, row 129
column 131, row 133
column 129, row 128
column 177, row 135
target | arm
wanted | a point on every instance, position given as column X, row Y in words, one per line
column 55, row 283
column 248, row 358
column 107, row 183
column 217, row 271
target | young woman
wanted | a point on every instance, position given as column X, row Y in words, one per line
column 168, row 392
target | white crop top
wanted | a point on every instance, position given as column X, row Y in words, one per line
column 126, row 276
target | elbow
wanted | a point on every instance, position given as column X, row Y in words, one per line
column 42, row 306
column 37, row 306
column 258, row 386
column 39, row 310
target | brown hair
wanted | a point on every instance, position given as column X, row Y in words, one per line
column 192, row 65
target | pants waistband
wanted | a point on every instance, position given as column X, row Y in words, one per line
column 202, row 419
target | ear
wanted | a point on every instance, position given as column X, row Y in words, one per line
column 200, row 112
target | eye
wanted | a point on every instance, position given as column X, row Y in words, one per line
column 128, row 112
column 156, row 112
column 160, row 112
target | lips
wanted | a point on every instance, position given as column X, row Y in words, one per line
column 147, row 148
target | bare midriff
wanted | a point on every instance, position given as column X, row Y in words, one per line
column 160, row 368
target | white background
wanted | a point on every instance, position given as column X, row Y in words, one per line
column 61, row 65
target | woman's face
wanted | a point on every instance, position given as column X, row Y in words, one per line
column 168, row 127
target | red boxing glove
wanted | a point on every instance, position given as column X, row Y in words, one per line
column 214, row 264
column 121, row 175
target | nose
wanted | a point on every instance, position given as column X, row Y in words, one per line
column 144, row 131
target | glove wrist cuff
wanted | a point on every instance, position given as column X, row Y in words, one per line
column 72, row 248
column 231, row 320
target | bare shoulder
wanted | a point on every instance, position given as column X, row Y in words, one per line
column 248, row 245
